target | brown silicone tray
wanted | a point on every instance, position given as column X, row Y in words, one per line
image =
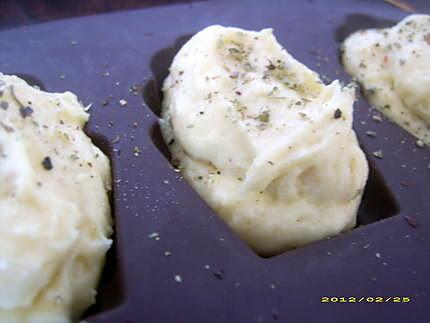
column 223, row 280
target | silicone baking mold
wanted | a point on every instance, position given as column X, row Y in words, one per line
column 174, row 259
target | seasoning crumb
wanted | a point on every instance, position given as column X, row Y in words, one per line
column 376, row 118
column 88, row 107
column 47, row 163
column 219, row 274
column 106, row 74
column 419, row 143
column 62, row 76
column 377, row 255
column 178, row 278
column 371, row 134
column 272, row 286
column 401, row 5
column 167, row 253
column 337, row 113
column 136, row 151
column 116, row 139
column 74, row 42
column 411, row 221
column 367, row 245
column 378, row 154
column 122, row 102
column 154, row 236
column 207, row 267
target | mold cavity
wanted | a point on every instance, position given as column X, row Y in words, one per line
column 110, row 291
column 356, row 22
column 378, row 202
column 160, row 63
column 157, row 139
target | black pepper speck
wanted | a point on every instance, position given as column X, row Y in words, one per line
column 47, row 163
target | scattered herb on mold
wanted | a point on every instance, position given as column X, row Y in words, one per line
column 411, row 221
column 378, row 154
column 419, row 143
column 154, row 236
column 219, row 274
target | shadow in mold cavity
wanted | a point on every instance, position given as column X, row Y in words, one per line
column 160, row 64
column 356, row 22
column 378, row 202
column 110, row 290
column 158, row 141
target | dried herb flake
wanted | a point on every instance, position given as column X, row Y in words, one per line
column 25, row 112
column 264, row 117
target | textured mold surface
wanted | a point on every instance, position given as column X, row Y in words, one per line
column 174, row 260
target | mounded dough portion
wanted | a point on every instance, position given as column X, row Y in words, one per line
column 393, row 66
column 264, row 142
column 55, row 217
